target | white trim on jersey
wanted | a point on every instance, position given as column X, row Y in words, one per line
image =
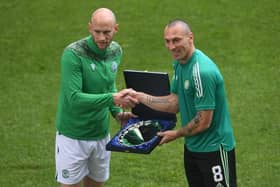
column 224, row 159
column 197, row 80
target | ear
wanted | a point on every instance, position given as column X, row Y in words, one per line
column 89, row 26
column 191, row 35
column 116, row 28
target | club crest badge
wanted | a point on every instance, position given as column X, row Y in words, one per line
column 187, row 84
column 114, row 66
column 65, row 173
column 93, row 66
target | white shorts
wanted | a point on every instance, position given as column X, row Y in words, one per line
column 76, row 159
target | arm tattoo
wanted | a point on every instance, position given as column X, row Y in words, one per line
column 197, row 118
column 195, row 123
column 151, row 100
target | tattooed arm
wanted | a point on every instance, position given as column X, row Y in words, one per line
column 167, row 103
column 198, row 124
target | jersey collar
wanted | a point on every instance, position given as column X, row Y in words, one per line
column 92, row 45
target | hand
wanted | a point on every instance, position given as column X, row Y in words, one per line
column 167, row 136
column 123, row 117
column 124, row 98
column 136, row 95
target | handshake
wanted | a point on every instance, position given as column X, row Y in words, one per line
column 127, row 98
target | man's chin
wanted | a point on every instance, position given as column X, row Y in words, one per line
column 176, row 57
column 102, row 46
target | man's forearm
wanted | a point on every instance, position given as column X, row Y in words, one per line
column 198, row 124
column 161, row 103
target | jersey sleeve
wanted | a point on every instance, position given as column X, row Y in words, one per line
column 113, row 108
column 71, row 73
column 174, row 81
column 204, row 85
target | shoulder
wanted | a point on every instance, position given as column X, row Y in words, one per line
column 72, row 52
column 204, row 69
column 204, row 64
column 78, row 47
column 114, row 49
column 203, row 59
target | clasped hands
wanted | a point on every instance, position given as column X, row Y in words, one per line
column 126, row 98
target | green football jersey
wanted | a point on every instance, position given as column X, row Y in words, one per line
column 200, row 86
column 88, row 77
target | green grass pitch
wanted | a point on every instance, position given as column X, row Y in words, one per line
column 241, row 36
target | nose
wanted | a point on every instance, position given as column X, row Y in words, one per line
column 170, row 46
column 101, row 36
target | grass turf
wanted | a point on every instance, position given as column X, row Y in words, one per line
column 241, row 36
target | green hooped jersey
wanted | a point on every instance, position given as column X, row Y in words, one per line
column 87, row 85
column 200, row 86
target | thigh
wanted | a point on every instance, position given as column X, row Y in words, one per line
column 217, row 168
column 192, row 170
column 71, row 160
column 99, row 161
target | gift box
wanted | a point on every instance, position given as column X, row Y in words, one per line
column 139, row 135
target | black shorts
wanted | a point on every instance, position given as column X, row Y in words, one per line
column 210, row 169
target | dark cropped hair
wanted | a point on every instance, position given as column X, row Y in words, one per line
column 181, row 22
